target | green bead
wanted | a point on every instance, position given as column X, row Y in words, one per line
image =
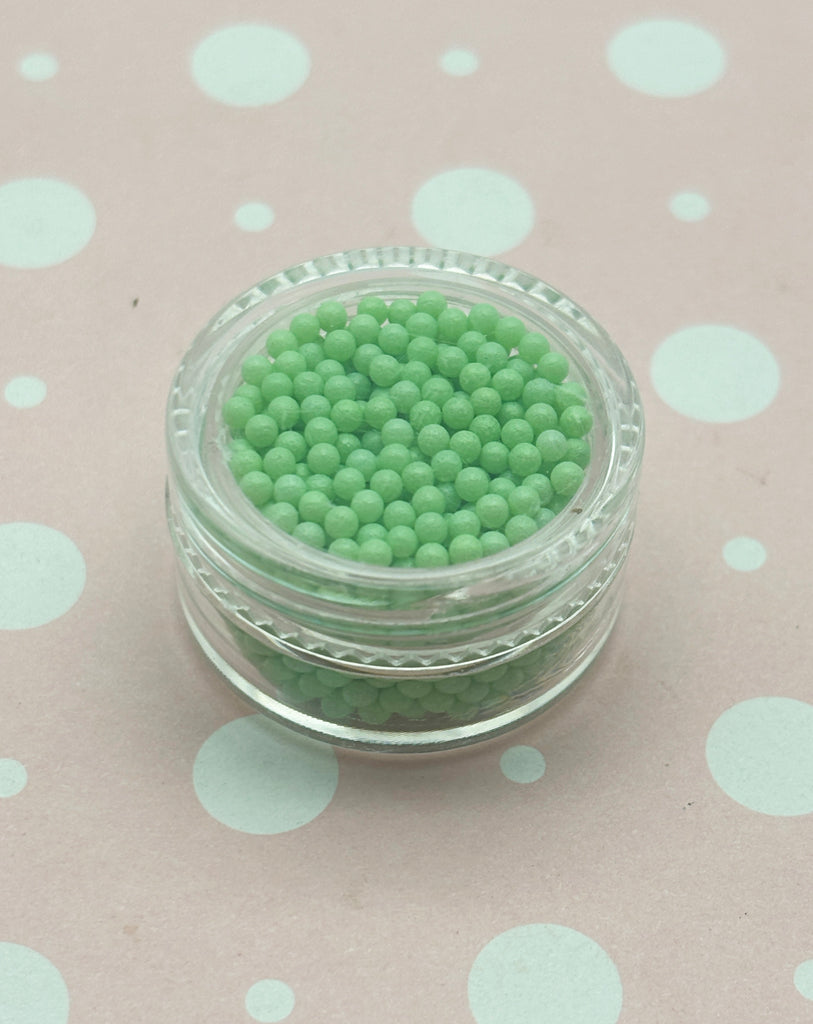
column 363, row 460
column 397, row 431
column 423, row 350
column 467, row 445
column 290, row 363
column 239, row 444
column 469, row 342
column 368, row 505
column 347, row 482
column 544, row 516
column 428, row 499
column 575, row 421
column 313, row 506
column 289, row 488
column 371, row 531
column 379, row 410
column 403, row 541
column 243, row 462
column 313, row 354
column 363, row 356
column 437, row 703
column 532, row 346
column 280, row 341
column 347, row 415
column 321, row 430
column 493, row 356
column 525, row 370
column 510, row 411
column 552, row 445
column 364, row 327
column 451, row 360
column 538, row 390
column 524, row 459
column 508, row 384
column 486, row 401
column 446, row 465
column 415, row 372
column 278, row 462
column 384, row 370
column 285, row 410
column 542, row 485
column 307, row 383
column 255, row 369
column 404, row 394
column 433, row 438
column 276, row 384
column 483, row 317
column 257, row 486
column 253, row 393
column 373, row 305
column 431, row 527
column 344, row 547
column 375, row 552
column 566, row 478
column 324, row 458
column 510, row 330
column 331, row 315
column 312, row 406
column 486, row 427
column 458, row 411
column 399, row 311
column 282, row 514
column 464, row 522
column 431, row 302
column 327, row 369
column 305, row 326
column 387, row 483
column 452, row 498
column 345, row 444
column 311, row 534
column 422, row 325
column 501, row 485
column 417, row 475
column 393, row 339
column 394, row 457
column 578, row 451
column 396, row 702
column 493, row 511
column 431, row 556
column 493, row 542
column 515, row 432
column 238, row 410
column 525, row 501
column 437, row 389
column 464, row 548
column 553, row 366
column 261, row 431
column 320, row 482
column 422, row 413
column 471, row 483
column 341, row 522
column 473, row 376
column 452, row 324
column 398, row 513
column 340, row 345
column 541, row 416
column 339, row 389
column 519, row 528
column 494, row 457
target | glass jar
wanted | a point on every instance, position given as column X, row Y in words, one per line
column 383, row 658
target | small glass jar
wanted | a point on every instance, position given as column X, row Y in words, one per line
column 383, row 658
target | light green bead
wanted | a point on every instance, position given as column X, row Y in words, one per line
column 324, row 458
column 446, row 465
column 525, row 370
column 339, row 389
column 566, row 478
column 467, row 445
column 313, row 506
column 397, row 431
column 452, row 324
column 345, row 444
column 431, row 527
column 414, row 688
column 290, row 363
column 340, row 345
column 501, row 485
column 524, row 459
column 375, row 552
column 344, row 547
column 541, row 416
column 388, row 484
column 433, row 438
column 347, row 482
column 525, row 501
column 261, row 430
column 538, row 390
column 276, row 384
column 379, row 410
column 363, row 356
column 486, row 401
column 364, row 461
column 451, row 360
column 255, row 369
column 396, row 702
column 400, row 310
column 307, row 383
column 423, row 350
column 452, row 498
column 552, row 445
column 238, row 410
column 458, row 411
column 483, row 317
column 428, row 499
column 416, row 373
column 278, row 462
column 515, row 432
column 403, row 541
column 242, row 462
column 313, row 354
column 384, row 370
column 469, row 342
column 347, row 414
column 398, row 513
column 393, row 339
column 416, row 475
column 464, row 548
column 253, row 393
column 422, row 325
column 282, row 514
column 423, row 413
column 431, row 556
column 311, row 534
column 532, row 346
column 305, row 326
column 486, row 428
column 510, row 330
column 394, row 456
column 519, row 528
column 289, row 488
column 257, row 487
column 437, row 389
column 508, row 384
column 364, row 327
column 493, row 511
column 474, row 376
column 575, row 421
column 285, row 410
column 510, row 411
column 544, row 516
column 542, row 485
column 340, row 522
column 472, row 483
column 321, row 430
column 335, row 707
column 327, row 369
column 431, row 302
column 312, row 406
column 553, row 366
column 280, row 341
column 464, row 522
column 373, row 305
column 569, row 392
column 578, row 451
column 404, row 394
column 371, row 531
column 493, row 542
column 331, row 315
column 320, row 482
column 437, row 703
column 368, row 505
column 494, row 457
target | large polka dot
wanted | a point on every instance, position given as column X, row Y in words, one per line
column 257, row 777
column 744, row 554
column 269, row 1001
column 760, row 753
column 32, row 991
column 254, row 216
column 473, row 209
column 803, row 979
column 689, row 206
column 666, row 58
column 13, row 777
column 25, row 392
column 459, row 62
column 43, row 222
column 250, row 65
column 42, row 575
column 544, row 974
column 715, row 373
column 38, row 67
column 522, row 764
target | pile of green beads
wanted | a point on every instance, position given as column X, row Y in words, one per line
column 409, row 433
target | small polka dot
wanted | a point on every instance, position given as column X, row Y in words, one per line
column 715, row 373
column 42, row 575
column 38, row 67
column 25, row 392
column 522, row 764
column 269, row 1001
column 760, row 753
column 803, row 979
column 13, row 777
column 473, row 209
column 689, row 206
column 254, row 776
column 43, row 222
column 544, row 972
column 459, row 62
column 254, row 216
column 250, row 65
column 32, row 991
column 744, row 554
column 666, row 58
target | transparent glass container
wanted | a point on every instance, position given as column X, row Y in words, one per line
column 398, row 659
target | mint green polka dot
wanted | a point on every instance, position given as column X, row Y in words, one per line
column 666, row 58
column 473, row 209
column 744, row 554
column 38, row 67
column 544, row 974
column 715, row 373
column 43, row 222
column 269, row 1001
column 13, row 777
column 25, row 392
column 760, row 753
column 254, row 216
column 459, row 62
column 254, row 776
column 522, row 764
column 42, row 575
column 689, row 206
column 250, row 65
column 32, row 991
column 803, row 979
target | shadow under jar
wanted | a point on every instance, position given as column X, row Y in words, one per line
column 384, row 658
